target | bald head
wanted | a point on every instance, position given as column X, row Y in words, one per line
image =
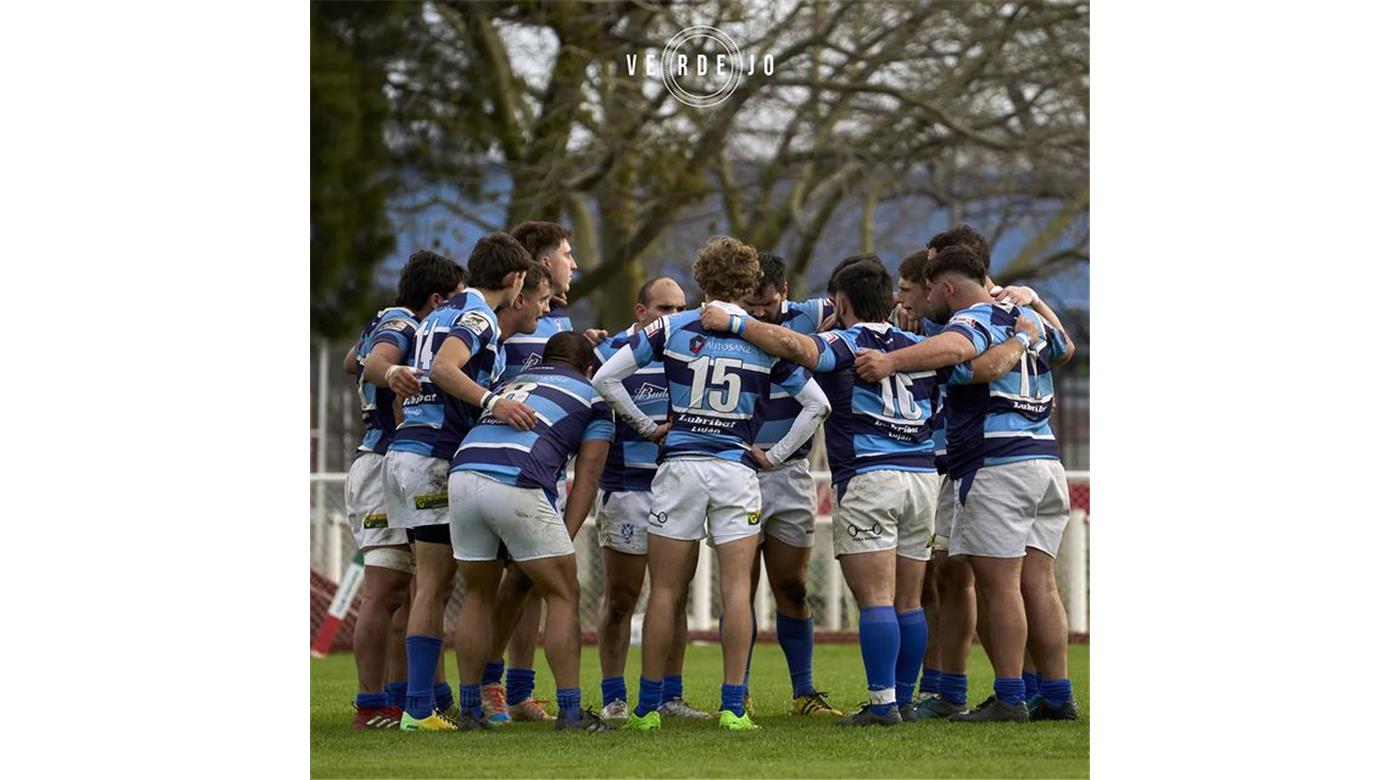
column 658, row 297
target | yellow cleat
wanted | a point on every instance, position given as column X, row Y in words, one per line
column 731, row 722
column 649, row 722
column 436, row 721
column 815, row 705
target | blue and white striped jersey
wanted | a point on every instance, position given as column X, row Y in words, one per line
column 396, row 326
column 526, row 350
column 874, row 425
column 715, row 381
column 778, row 411
column 433, row 421
column 940, row 431
column 568, row 412
column 632, row 459
column 1008, row 419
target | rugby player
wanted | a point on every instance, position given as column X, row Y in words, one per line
column 788, row 514
column 706, row 479
column 1011, row 500
column 435, row 420
column 502, row 488
column 517, row 606
column 427, row 280
column 622, row 517
column 881, row 453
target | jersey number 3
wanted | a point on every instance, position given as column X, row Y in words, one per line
column 715, row 372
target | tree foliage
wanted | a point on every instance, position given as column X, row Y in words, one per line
column 976, row 109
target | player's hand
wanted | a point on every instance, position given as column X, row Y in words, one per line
column 713, row 317
column 1027, row 326
column 403, row 380
column 904, row 319
column 872, row 366
column 659, row 435
column 520, row 416
column 1021, row 296
column 761, row 457
column 595, row 335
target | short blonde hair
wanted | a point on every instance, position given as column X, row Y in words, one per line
column 726, row 268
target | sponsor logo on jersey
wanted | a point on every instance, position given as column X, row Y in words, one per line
column 831, row 336
column 654, row 327
column 377, row 520
column 753, row 518
column 474, row 321
column 533, row 360
column 649, row 392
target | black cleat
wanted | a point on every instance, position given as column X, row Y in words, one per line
column 992, row 710
column 1044, row 710
column 468, row 722
column 867, row 717
column 588, row 721
column 935, row 707
column 906, row 712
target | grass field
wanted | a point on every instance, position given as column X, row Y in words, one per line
column 786, row 747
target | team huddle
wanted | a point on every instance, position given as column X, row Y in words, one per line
column 696, row 424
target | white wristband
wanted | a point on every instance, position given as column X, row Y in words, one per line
column 389, row 373
column 488, row 401
column 1024, row 339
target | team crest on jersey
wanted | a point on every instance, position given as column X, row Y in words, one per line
column 697, row 344
column 474, row 321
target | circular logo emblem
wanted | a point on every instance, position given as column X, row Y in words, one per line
column 718, row 71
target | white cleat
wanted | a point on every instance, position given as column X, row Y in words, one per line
column 616, row 710
column 677, row 708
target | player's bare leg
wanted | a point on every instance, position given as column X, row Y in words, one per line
column 506, row 612
column 957, row 622
column 787, row 577
column 998, row 583
column 434, row 580
column 671, row 565
column 385, row 590
column 472, row 639
column 1048, row 637
column 871, row 577
column 623, row 575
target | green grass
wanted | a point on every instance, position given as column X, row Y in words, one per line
column 786, row 747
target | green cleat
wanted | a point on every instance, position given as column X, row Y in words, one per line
column 649, row 722
column 732, row 722
column 435, row 721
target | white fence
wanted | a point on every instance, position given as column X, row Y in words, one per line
column 332, row 547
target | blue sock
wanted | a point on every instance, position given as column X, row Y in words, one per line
column 879, row 648
column 1010, row 690
column 423, row 655
column 731, row 697
column 520, row 683
column 1055, row 692
column 470, row 696
column 491, row 675
column 929, row 683
column 614, row 689
column 952, row 687
column 398, row 694
column 648, row 696
column 1032, row 683
column 442, row 692
column 913, row 641
column 672, row 688
column 568, row 699
column 366, row 701
column 795, row 637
